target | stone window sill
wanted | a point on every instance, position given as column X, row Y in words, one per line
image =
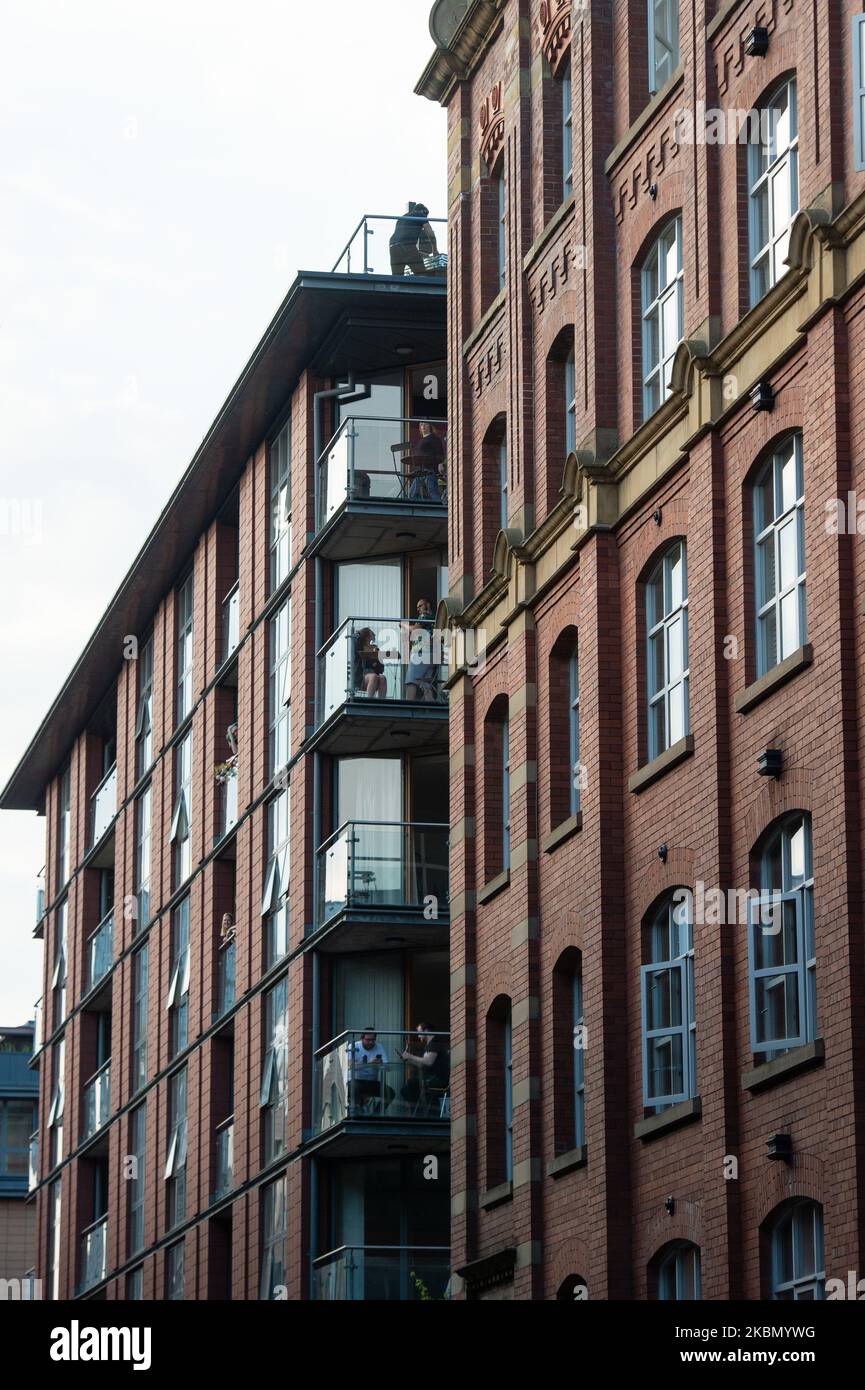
column 494, row 1196
column 568, row 1162
column 674, row 1118
column 783, row 1068
column 661, row 765
column 779, row 675
column 562, row 833
column 495, row 885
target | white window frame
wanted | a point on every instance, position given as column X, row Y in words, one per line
column 671, row 930
column 143, row 856
column 658, row 366
column 185, row 646
column 770, row 533
column 671, row 9
column 858, row 46
column 782, row 163
column 280, row 507
column 805, row 1285
column 140, row 998
column 660, row 628
column 64, row 829
column 274, row 903
column 767, row 916
column 279, row 688
column 181, row 822
column 144, row 718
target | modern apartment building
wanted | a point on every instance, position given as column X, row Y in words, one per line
column 244, row 782
column 19, row 1088
column 657, row 435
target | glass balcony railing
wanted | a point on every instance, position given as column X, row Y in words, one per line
column 100, row 952
column 39, row 1021
column 375, row 864
column 364, row 1076
column 103, row 806
column 383, row 244
column 224, row 1160
column 97, row 1101
column 386, row 462
column 231, row 623
column 413, row 658
column 40, row 896
column 226, row 978
column 388, row 1273
column 94, row 1254
column 33, row 1163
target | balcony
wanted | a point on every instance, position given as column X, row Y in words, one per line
column 393, row 1274
column 382, row 486
column 94, row 1254
column 377, row 873
column 224, row 1160
column 100, row 952
column 33, row 1163
column 40, row 900
column 369, row 251
column 381, row 1094
column 361, row 711
column 103, row 807
column 97, row 1101
column 40, row 1023
column 230, row 624
column 226, row 978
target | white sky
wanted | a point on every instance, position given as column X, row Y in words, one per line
column 165, row 169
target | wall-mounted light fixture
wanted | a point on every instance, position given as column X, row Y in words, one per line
column 780, row 1147
column 771, row 762
column 763, row 396
column 757, row 42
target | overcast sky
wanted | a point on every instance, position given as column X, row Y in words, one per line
column 165, row 169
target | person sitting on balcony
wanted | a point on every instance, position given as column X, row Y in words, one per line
column 432, row 1064
column 366, row 1058
column 413, row 240
column 228, row 931
column 422, row 675
column 369, row 673
column 427, row 465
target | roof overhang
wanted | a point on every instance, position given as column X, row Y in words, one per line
column 327, row 323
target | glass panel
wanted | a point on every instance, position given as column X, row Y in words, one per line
column 677, row 713
column 671, row 325
column 666, row 1070
column 665, row 999
column 766, row 568
column 367, row 1075
column 789, row 624
column 675, row 648
column 652, row 341
column 805, row 1251
column 777, row 999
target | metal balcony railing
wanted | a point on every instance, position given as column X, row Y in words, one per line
column 231, row 623
column 413, row 656
column 390, row 1273
column 100, row 952
column 386, row 462
column 97, row 1101
column 364, row 1076
column 103, row 806
column 94, row 1254
column 416, row 252
column 378, row 864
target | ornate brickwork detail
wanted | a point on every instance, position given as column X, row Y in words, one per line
column 555, row 17
column 730, row 57
column 554, row 275
column 492, row 123
column 487, row 366
column 654, row 159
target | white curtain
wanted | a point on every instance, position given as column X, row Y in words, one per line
column 367, row 591
column 370, row 789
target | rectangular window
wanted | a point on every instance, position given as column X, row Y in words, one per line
column 181, row 821
column 576, row 770
column 663, row 292
column 178, row 989
column 568, row 130
column 185, row 600
column 17, row 1123
column 61, row 966
column 136, row 1177
column 274, row 905
column 280, row 508
column 579, row 1064
column 275, row 1227
column 58, row 1102
column 859, row 89
column 509, row 1099
column 135, row 1285
column 274, row 1089
column 669, row 1013
column 175, row 1167
column 144, row 716
column 506, row 794
column 783, row 970
column 280, row 688
column 773, row 178
column 64, row 830
column 174, row 1273
column 779, row 525
column 143, row 824
column 140, row 979
column 54, row 1238
column 663, row 42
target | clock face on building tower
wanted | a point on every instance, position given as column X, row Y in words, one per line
column 445, row 19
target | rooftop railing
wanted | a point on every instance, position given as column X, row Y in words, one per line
column 389, row 244
column 378, row 864
column 391, row 1273
column 365, row 1076
column 384, row 461
column 411, row 654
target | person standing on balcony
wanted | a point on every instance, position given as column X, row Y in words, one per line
column 428, row 457
column 413, row 240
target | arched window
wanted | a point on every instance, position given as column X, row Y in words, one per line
column 494, row 487
column 663, row 295
column 779, row 530
column 668, row 670
column 569, row 1051
column 499, row 1093
column 679, row 1274
column 663, row 42
column 574, row 1289
column 773, row 183
column 798, row 1261
column 565, row 779
column 669, row 1008
column 783, row 965
column 566, row 83
column 497, row 790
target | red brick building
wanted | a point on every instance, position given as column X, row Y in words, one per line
column 656, row 293
column 244, row 783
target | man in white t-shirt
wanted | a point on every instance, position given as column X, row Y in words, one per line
column 366, row 1058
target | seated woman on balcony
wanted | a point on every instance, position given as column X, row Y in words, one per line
column 413, row 242
column 427, row 466
column 422, row 675
column 433, row 1065
column 368, row 673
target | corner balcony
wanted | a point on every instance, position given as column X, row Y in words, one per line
column 382, row 488
column 369, row 247
column 386, row 1273
column 373, row 876
column 97, row 1102
column 94, row 1255
column 358, row 1103
column 359, row 711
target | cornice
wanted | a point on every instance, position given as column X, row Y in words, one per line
column 447, row 66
